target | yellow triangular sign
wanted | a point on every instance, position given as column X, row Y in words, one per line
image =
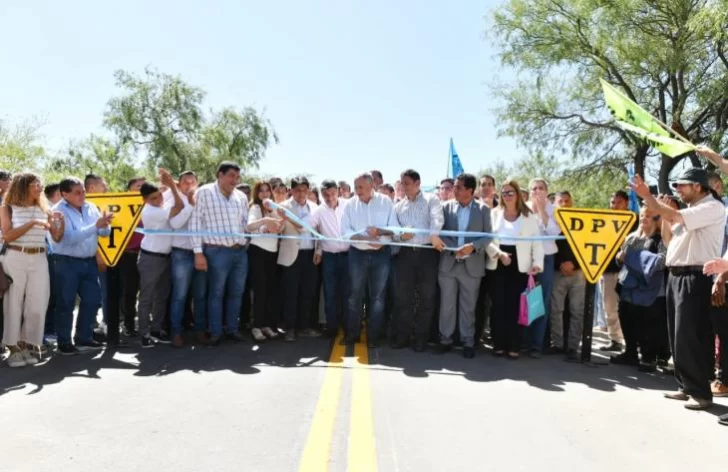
column 127, row 209
column 595, row 236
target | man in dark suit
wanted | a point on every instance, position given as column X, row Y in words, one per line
column 461, row 269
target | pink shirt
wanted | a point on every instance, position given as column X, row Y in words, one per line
column 327, row 221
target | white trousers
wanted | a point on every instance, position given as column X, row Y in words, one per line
column 26, row 302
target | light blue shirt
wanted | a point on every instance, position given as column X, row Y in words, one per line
column 80, row 237
column 463, row 221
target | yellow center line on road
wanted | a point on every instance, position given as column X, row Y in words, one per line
column 362, row 451
column 317, row 451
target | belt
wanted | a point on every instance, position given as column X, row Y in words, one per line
column 27, row 250
column 63, row 256
column 680, row 270
column 181, row 249
column 154, row 254
column 235, row 246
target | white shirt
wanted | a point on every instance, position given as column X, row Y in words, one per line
column 358, row 216
column 424, row 212
column 550, row 229
column 328, row 222
column 700, row 238
column 156, row 218
column 216, row 213
column 303, row 212
column 269, row 244
column 35, row 236
column 180, row 222
column 508, row 228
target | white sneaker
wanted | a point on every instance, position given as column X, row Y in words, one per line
column 29, row 358
column 258, row 335
column 269, row 333
column 16, row 359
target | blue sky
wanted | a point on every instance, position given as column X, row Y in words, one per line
column 349, row 85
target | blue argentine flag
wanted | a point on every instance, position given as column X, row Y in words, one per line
column 455, row 164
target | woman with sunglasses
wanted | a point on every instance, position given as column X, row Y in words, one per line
column 509, row 263
column 25, row 220
column 263, row 252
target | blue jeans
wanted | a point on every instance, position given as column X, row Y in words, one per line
column 335, row 277
column 74, row 276
column 537, row 330
column 227, row 269
column 185, row 276
column 367, row 268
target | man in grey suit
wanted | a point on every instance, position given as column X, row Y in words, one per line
column 460, row 271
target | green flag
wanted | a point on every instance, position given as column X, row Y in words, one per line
column 624, row 109
column 666, row 145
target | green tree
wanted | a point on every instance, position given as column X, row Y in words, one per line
column 161, row 115
column 96, row 155
column 667, row 55
column 20, row 146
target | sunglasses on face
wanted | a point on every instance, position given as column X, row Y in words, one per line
column 508, row 193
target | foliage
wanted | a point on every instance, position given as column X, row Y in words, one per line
column 20, row 148
column 96, row 155
column 162, row 115
column 667, row 55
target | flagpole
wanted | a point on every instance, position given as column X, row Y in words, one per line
column 447, row 170
column 667, row 128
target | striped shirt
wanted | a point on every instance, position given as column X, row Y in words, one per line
column 328, row 222
column 424, row 212
column 36, row 236
column 216, row 213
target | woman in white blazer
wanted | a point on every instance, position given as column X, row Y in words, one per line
column 508, row 264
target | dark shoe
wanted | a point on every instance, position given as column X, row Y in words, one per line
column 679, row 396
column 624, row 359
column 92, row 345
column 723, row 420
column 161, row 337
column 214, row 341
column 419, row 346
column 147, row 342
column 99, row 336
column 331, row 333
column 118, row 344
column 612, row 347
column 202, row 337
column 468, row 352
column 663, row 363
column 648, row 367
column 235, row 337
column 442, row 348
column 698, row 404
column 130, row 333
column 67, row 350
column 399, row 344
column 177, row 341
column 572, row 356
column 554, row 350
column 309, row 333
column 535, row 354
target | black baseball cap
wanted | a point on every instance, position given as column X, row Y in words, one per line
column 693, row 175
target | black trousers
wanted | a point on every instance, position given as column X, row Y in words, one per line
column 299, row 285
column 507, row 285
column 691, row 332
column 129, row 275
column 482, row 308
column 719, row 316
column 263, row 283
column 415, row 271
column 645, row 330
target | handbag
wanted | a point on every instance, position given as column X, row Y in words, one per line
column 532, row 306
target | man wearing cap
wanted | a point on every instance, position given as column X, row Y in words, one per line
column 694, row 237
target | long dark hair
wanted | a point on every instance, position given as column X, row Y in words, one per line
column 255, row 195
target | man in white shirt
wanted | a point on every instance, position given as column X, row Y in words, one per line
column 182, row 265
column 299, row 275
column 326, row 219
column 364, row 218
column 538, row 203
column 154, row 258
column 221, row 213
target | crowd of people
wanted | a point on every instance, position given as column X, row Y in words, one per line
column 430, row 271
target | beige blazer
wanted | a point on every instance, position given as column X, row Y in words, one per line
column 529, row 253
column 288, row 248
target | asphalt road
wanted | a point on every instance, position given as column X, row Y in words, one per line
column 302, row 406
